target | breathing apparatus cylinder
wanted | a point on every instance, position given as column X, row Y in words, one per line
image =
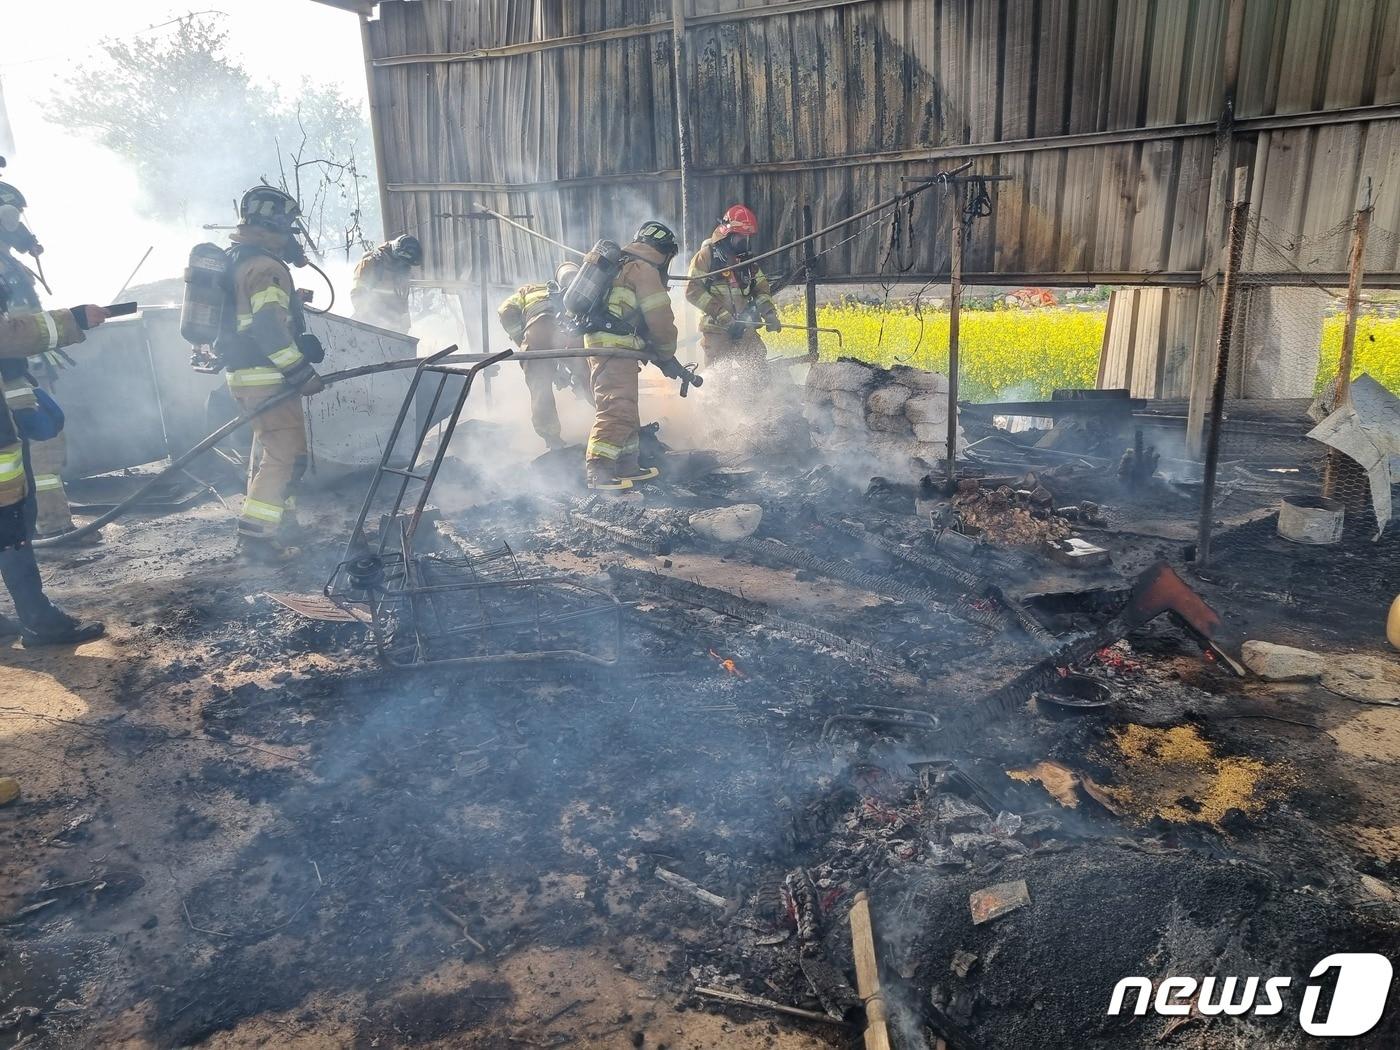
column 587, row 293
column 205, row 295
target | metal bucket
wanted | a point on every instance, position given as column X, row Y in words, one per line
column 1314, row 520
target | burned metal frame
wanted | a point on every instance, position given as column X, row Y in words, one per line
column 416, row 613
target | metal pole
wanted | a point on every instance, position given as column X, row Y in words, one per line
column 809, row 265
column 1239, row 219
column 682, row 113
column 1361, row 226
column 956, row 195
column 483, row 275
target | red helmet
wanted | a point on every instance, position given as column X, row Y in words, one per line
column 741, row 220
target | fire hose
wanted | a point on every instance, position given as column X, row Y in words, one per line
column 182, row 461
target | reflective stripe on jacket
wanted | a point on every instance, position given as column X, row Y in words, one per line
column 723, row 297
column 529, row 303
column 264, row 312
column 640, row 304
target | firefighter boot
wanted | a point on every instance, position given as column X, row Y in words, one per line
column 265, row 550
column 61, row 629
column 630, row 469
column 603, row 477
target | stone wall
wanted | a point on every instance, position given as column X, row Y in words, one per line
column 896, row 418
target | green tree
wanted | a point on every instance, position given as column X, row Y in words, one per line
column 199, row 130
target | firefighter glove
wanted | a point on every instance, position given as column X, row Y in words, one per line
column 312, row 385
column 774, row 325
column 311, row 348
column 736, row 330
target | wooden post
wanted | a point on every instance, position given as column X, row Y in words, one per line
column 877, row 1035
column 376, row 130
column 1337, row 470
column 682, row 113
column 483, row 273
column 956, row 197
column 809, row 269
column 1239, row 220
column 1221, row 158
column 1356, row 265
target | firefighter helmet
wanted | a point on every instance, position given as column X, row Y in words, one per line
column 564, row 273
column 269, row 208
column 659, row 236
column 740, row 219
column 406, row 248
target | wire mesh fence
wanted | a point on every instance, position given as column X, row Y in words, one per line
column 1309, row 442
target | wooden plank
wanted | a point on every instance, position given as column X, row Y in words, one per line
column 1018, row 64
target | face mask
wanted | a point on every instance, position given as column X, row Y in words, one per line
column 739, row 243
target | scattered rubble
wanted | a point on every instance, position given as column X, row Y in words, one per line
column 727, row 524
column 996, row 901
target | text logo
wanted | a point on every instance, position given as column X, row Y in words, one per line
column 1359, row 990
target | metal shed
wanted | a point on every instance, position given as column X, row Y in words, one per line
column 1119, row 121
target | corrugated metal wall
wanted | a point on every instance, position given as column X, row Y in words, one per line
column 1103, row 111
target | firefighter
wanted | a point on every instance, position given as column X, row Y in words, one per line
column 637, row 315
column 380, row 291
column 269, row 354
column 21, row 335
column 734, row 301
column 47, row 458
column 531, row 319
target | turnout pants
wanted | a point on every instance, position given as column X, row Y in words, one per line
column 616, row 435
column 49, row 459
column 21, row 572
column 748, row 349
column 544, row 413
column 277, row 464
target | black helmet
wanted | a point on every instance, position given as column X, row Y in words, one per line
column 10, row 195
column 269, row 208
column 406, row 248
column 659, row 236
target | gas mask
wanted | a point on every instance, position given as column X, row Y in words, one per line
column 738, row 244
column 293, row 254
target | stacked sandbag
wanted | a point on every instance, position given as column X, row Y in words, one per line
column 892, row 416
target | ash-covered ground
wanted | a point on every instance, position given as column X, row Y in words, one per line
column 240, row 829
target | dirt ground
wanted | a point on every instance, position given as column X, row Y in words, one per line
column 237, row 829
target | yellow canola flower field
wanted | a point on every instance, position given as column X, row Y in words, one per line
column 1377, row 350
column 1026, row 354
column 1006, row 354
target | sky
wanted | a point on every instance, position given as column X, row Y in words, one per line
column 80, row 197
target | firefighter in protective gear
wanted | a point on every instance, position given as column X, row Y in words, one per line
column 637, row 316
column 531, row 319
column 734, row 300
column 47, row 458
column 380, row 291
column 22, row 335
column 269, row 353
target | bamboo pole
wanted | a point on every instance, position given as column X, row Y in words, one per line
column 810, row 266
column 1356, row 265
column 1239, row 219
column 682, row 113
column 877, row 1034
column 956, row 197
